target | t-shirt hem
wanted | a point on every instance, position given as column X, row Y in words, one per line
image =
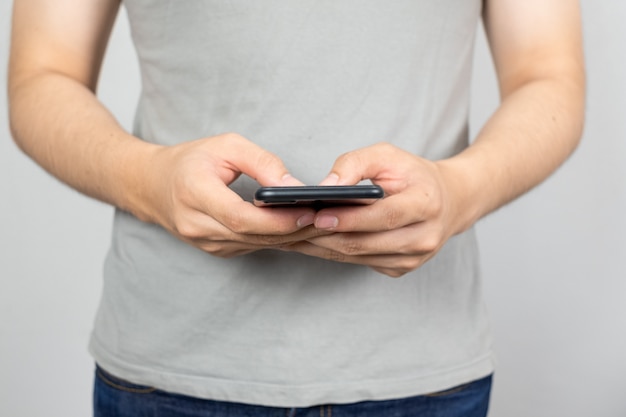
column 276, row 395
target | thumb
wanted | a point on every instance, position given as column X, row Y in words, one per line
column 264, row 166
column 355, row 166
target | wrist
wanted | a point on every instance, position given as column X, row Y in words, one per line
column 464, row 189
column 134, row 176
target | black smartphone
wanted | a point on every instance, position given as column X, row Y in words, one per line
column 318, row 196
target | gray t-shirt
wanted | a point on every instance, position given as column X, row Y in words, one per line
column 307, row 80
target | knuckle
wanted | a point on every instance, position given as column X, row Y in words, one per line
column 232, row 136
column 407, row 265
column 236, row 223
column 429, row 243
column 334, row 255
column 266, row 159
column 345, row 156
column 219, row 250
column 350, row 159
column 213, row 248
column 390, row 272
column 187, row 229
column 349, row 247
column 385, row 147
column 412, row 264
column 269, row 240
column 393, row 216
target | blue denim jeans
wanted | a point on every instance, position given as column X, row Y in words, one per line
column 114, row 397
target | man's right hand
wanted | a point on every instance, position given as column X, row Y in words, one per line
column 186, row 192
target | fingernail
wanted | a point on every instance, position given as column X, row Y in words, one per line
column 288, row 179
column 331, row 179
column 305, row 220
column 326, row 222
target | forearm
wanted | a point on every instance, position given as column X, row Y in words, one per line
column 60, row 123
column 531, row 134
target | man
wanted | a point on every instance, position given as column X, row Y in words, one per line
column 212, row 306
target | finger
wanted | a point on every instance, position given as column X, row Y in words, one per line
column 371, row 162
column 390, row 213
column 410, row 241
column 245, row 219
column 392, row 265
column 390, row 272
column 279, row 241
column 242, row 155
column 220, row 202
column 358, row 244
column 211, row 236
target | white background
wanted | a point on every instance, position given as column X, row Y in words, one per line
column 554, row 260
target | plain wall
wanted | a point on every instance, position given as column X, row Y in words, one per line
column 555, row 278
